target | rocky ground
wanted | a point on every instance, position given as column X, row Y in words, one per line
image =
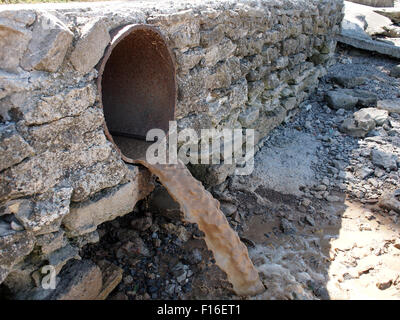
column 320, row 213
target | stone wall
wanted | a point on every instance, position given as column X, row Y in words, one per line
column 239, row 64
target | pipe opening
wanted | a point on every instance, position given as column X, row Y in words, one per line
column 137, row 86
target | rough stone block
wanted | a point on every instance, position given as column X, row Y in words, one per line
column 375, row 3
column 86, row 216
column 51, row 242
column 250, row 115
column 10, row 83
column 13, row 248
column 50, row 41
column 66, row 104
column 14, row 37
column 112, row 276
column 219, row 52
column 90, row 46
column 60, row 257
column 13, row 148
column 44, row 214
column 212, row 37
column 390, row 105
column 79, row 280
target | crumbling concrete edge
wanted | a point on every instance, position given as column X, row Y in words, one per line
column 370, row 45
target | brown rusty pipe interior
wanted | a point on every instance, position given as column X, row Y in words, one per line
column 137, row 87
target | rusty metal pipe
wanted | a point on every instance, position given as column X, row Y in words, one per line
column 136, row 82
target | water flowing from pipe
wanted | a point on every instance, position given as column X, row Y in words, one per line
column 200, row 207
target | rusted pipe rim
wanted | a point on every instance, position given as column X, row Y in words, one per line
column 117, row 35
column 136, row 83
column 111, row 139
